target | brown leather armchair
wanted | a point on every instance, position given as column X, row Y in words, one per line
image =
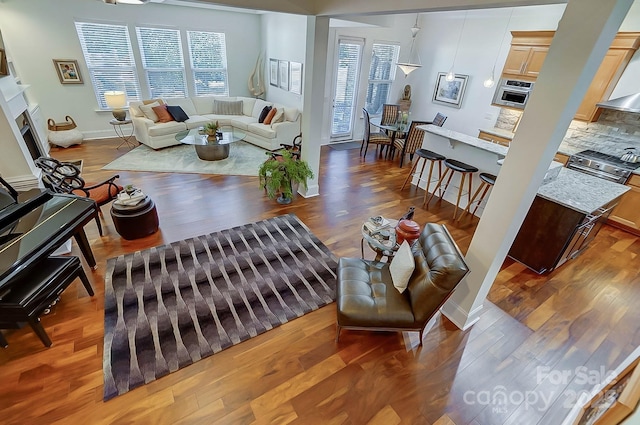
column 367, row 299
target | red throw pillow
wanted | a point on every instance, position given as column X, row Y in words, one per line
column 162, row 113
column 270, row 116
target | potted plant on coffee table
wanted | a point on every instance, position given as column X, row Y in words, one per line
column 279, row 175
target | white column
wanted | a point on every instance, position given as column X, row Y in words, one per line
column 315, row 69
column 584, row 35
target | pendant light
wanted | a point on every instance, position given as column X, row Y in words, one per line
column 491, row 81
column 411, row 65
column 451, row 75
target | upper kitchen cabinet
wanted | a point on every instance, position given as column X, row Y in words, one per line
column 529, row 50
column 527, row 54
column 607, row 76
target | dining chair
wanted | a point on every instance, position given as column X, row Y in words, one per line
column 439, row 120
column 411, row 142
column 378, row 139
column 389, row 114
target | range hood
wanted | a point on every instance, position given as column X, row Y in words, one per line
column 630, row 103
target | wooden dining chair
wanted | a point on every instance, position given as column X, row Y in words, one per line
column 389, row 114
column 378, row 139
column 411, row 142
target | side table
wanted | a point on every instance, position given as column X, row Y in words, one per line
column 135, row 221
column 123, row 133
column 382, row 241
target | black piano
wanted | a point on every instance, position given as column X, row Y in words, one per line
column 30, row 232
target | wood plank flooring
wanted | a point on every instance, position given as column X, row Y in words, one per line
column 497, row 372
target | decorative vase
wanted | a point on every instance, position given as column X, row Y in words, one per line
column 407, row 230
column 212, row 138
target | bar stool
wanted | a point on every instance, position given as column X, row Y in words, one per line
column 430, row 156
column 452, row 166
column 488, row 180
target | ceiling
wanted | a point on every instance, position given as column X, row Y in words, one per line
column 345, row 8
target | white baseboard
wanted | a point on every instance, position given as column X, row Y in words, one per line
column 312, row 190
column 458, row 316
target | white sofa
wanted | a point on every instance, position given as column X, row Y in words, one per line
column 200, row 110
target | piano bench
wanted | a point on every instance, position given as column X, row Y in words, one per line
column 34, row 290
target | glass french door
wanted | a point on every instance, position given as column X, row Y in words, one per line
column 345, row 87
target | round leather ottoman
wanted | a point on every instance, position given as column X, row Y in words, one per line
column 135, row 221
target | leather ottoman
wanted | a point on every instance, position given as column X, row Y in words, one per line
column 135, row 221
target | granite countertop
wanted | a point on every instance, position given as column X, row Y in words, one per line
column 466, row 139
column 499, row 132
column 581, row 192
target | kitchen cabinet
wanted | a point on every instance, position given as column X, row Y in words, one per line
column 529, row 50
column 493, row 138
column 627, row 214
column 552, row 233
column 561, row 158
column 524, row 61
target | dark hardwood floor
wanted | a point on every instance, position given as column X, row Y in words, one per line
column 497, row 372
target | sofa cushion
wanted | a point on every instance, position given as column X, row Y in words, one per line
column 196, row 121
column 247, row 105
column 165, row 128
column 258, row 107
column 184, row 102
column 262, row 130
column 279, row 116
column 269, row 116
column 291, row 114
column 264, row 113
column 222, row 107
column 162, row 113
column 147, row 110
column 402, row 266
column 241, row 122
column 177, row 113
column 134, row 107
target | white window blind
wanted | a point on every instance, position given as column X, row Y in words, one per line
column 381, row 75
column 162, row 60
column 109, row 58
column 208, row 53
column 346, row 86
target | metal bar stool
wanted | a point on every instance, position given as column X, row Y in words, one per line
column 452, row 166
column 488, row 180
column 430, row 156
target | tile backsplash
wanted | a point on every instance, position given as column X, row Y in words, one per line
column 611, row 134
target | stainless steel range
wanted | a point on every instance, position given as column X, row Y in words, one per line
column 601, row 165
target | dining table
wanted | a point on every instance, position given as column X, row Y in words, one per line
column 394, row 130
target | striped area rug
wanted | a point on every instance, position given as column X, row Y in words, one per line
column 170, row 306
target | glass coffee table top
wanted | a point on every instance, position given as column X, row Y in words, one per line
column 193, row 136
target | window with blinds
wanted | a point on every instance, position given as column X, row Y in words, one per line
column 162, row 61
column 346, row 87
column 208, row 53
column 109, row 58
column 381, row 75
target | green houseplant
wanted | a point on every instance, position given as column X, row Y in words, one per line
column 278, row 176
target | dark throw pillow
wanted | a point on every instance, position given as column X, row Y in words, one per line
column 264, row 113
column 177, row 113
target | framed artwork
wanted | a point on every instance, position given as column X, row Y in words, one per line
column 283, row 74
column 295, row 77
column 68, row 71
column 616, row 400
column 273, row 72
column 450, row 93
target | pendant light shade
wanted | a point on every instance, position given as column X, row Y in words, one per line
column 413, row 63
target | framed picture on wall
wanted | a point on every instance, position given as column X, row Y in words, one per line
column 68, row 71
column 273, row 72
column 295, row 77
column 283, row 75
column 450, row 93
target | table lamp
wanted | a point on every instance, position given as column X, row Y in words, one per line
column 116, row 100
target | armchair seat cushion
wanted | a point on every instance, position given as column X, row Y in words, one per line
column 101, row 194
column 367, row 296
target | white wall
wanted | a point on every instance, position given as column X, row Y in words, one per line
column 35, row 32
column 283, row 38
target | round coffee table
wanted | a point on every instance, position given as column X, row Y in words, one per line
column 382, row 241
column 210, row 150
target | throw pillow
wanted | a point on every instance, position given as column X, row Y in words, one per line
column 178, row 113
column 162, row 113
column 278, row 117
column 270, row 115
column 258, row 107
column 264, row 114
column 222, row 107
column 147, row 110
column 402, row 266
